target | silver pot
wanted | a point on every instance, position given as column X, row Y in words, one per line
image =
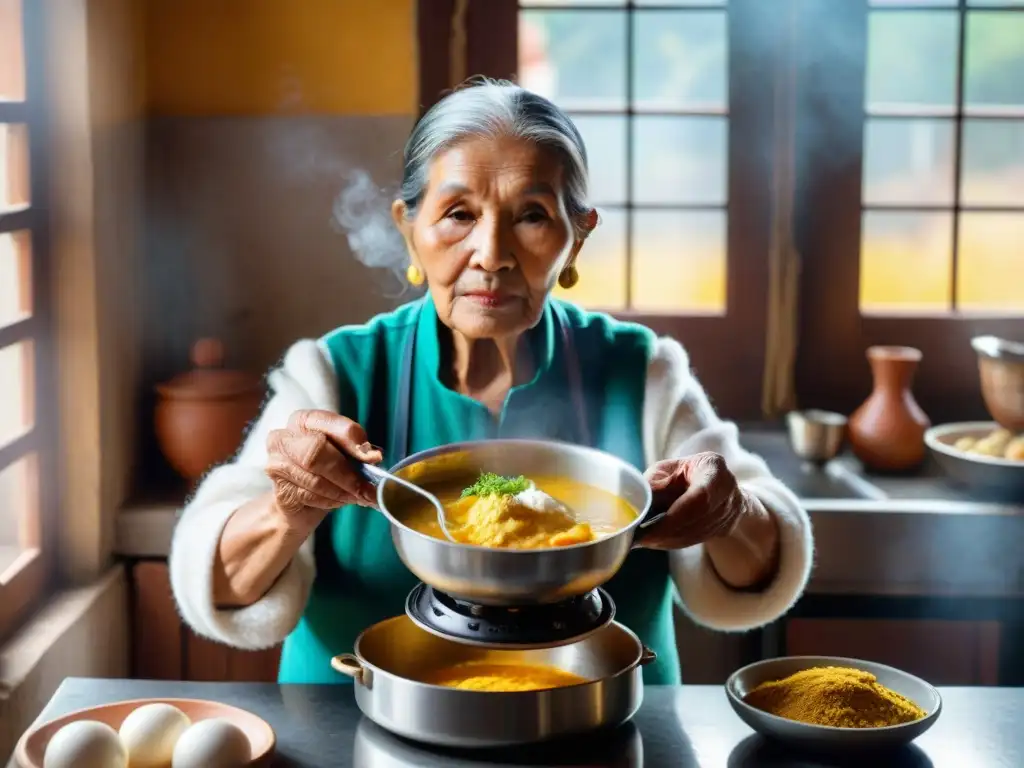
column 390, row 656
column 373, row 747
column 490, row 576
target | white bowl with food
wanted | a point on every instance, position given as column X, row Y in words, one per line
column 980, row 454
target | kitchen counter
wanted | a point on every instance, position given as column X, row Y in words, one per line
column 320, row 726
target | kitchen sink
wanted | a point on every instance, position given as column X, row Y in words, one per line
column 834, row 480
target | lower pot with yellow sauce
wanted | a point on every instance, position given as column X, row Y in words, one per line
column 424, row 687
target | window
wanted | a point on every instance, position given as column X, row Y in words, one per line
column 943, row 183
column 647, row 85
column 675, row 102
column 911, row 203
column 24, row 453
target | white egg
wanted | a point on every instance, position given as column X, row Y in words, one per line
column 213, row 743
column 150, row 732
column 85, row 744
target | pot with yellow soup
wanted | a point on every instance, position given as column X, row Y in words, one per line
column 424, row 687
column 534, row 522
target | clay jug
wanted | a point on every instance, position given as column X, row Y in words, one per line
column 201, row 415
column 887, row 431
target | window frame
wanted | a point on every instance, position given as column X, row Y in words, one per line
column 492, row 50
column 32, row 575
column 832, row 370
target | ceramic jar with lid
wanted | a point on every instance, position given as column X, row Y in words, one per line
column 201, row 415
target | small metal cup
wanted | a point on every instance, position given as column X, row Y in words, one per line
column 816, row 435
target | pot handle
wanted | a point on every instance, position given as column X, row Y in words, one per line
column 649, row 522
column 349, row 664
column 647, row 656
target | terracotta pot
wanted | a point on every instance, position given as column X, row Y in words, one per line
column 202, row 415
column 887, row 431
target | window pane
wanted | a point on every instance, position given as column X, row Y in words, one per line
column 991, row 262
column 906, row 261
column 605, row 138
column 602, row 266
column 912, row 58
column 542, row 3
column 993, row 163
column 12, row 53
column 15, row 390
column 16, row 407
column 15, row 277
column 18, row 509
column 908, row 162
column 680, row 2
column 679, row 261
column 897, row 3
column 575, row 58
column 680, row 159
column 680, row 59
column 14, row 190
column 995, row 2
column 994, row 67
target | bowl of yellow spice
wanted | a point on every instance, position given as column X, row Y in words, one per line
column 823, row 702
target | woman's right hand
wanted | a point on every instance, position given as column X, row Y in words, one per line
column 309, row 463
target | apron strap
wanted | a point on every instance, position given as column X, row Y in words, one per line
column 402, row 425
column 575, row 377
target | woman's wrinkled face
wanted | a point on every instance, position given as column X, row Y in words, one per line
column 491, row 235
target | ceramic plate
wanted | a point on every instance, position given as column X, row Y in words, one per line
column 32, row 745
column 820, row 737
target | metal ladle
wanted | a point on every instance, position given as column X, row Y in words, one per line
column 375, row 475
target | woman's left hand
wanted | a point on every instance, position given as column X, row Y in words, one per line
column 700, row 497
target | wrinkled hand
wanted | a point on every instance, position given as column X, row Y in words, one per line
column 308, row 462
column 700, row 498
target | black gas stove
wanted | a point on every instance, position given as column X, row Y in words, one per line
column 520, row 627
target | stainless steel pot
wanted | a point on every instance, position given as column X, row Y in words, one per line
column 391, row 655
column 490, row 576
column 373, row 747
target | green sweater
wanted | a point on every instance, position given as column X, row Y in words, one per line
column 360, row 579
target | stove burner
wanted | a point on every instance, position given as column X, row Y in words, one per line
column 520, row 628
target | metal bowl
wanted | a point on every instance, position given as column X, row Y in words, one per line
column 820, row 737
column 816, row 435
column 389, row 660
column 490, row 576
column 1001, row 369
column 1002, row 477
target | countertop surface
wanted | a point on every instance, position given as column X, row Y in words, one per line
column 681, row 727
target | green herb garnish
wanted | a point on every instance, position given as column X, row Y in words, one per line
column 491, row 484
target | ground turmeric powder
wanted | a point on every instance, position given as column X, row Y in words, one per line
column 835, row 696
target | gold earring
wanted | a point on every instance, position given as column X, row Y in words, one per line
column 569, row 277
column 413, row 275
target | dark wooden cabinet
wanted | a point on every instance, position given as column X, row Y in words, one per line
column 163, row 648
column 942, row 652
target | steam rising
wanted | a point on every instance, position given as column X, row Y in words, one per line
column 362, row 211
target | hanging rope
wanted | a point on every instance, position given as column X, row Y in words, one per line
column 458, row 68
column 779, row 389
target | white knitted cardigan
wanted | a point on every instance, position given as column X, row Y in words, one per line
column 678, row 420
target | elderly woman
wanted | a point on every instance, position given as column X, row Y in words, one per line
column 282, row 544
